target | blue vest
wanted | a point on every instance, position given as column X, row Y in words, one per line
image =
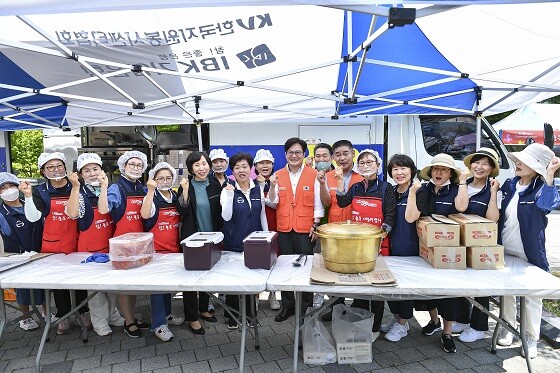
column 25, row 236
column 90, row 201
column 126, row 189
column 159, row 202
column 444, row 201
column 532, row 219
column 45, row 191
column 478, row 203
column 404, row 239
column 244, row 219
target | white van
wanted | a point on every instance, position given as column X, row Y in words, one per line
column 421, row 137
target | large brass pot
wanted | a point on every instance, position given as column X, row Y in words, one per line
column 350, row 247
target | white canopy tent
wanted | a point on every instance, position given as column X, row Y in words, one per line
column 140, row 62
column 528, row 122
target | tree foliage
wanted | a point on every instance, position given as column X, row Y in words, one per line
column 26, row 146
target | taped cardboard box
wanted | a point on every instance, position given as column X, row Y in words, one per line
column 454, row 257
column 485, row 257
column 476, row 230
column 438, row 231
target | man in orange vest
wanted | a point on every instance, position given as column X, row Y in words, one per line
column 343, row 151
column 296, row 191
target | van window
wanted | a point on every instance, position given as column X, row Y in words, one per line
column 455, row 136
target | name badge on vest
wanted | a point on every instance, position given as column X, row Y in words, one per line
column 306, row 188
column 333, row 188
column 281, row 188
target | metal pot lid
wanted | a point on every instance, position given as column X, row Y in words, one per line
column 349, row 229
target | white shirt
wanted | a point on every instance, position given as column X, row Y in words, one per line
column 226, row 200
column 511, row 235
column 153, row 208
column 318, row 209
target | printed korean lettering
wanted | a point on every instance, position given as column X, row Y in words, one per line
column 263, row 19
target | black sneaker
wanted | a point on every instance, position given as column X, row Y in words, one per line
column 448, row 343
column 431, row 328
column 232, row 324
column 132, row 330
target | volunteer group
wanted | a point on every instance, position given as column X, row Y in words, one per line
column 80, row 212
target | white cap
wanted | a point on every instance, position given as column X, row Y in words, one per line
column 45, row 157
column 6, row 177
column 263, row 155
column 535, row 156
column 87, row 158
column 218, row 154
column 132, row 154
column 163, row 166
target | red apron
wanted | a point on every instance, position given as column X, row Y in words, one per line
column 370, row 210
column 96, row 237
column 131, row 221
column 60, row 233
column 166, row 230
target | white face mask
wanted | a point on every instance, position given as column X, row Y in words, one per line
column 219, row 169
column 134, row 175
column 10, row 195
column 93, row 183
column 164, row 187
column 57, row 177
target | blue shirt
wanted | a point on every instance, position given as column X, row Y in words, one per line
column 203, row 215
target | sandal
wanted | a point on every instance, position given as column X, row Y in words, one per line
column 142, row 324
column 132, row 330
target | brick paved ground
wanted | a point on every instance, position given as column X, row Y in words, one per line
column 218, row 350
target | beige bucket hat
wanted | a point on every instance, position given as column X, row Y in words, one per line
column 441, row 159
column 487, row 152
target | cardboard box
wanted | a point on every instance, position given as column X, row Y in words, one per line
column 485, row 257
column 476, row 230
column 353, row 352
column 438, row 231
column 444, row 257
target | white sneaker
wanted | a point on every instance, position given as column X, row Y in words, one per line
column 272, row 302
column 28, row 324
column 103, row 330
column 53, row 317
column 397, row 332
column 458, row 327
column 164, row 333
column 532, row 347
column 175, row 320
column 386, row 327
column 505, row 338
column 116, row 321
column 375, row 336
column 63, row 327
column 471, row 335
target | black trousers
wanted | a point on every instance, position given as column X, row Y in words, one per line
column 477, row 318
column 376, row 307
column 233, row 302
column 195, row 303
column 403, row 308
column 63, row 302
column 291, row 243
column 448, row 308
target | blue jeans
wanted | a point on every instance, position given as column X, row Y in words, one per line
column 161, row 308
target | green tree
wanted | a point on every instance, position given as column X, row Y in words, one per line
column 26, row 146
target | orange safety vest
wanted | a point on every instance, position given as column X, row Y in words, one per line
column 338, row 213
column 296, row 213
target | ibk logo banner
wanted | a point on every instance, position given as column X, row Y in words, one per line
column 257, row 56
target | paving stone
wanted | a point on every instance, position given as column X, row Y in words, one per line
column 279, row 340
column 460, row 361
column 19, row 352
column 114, row 358
column 106, row 369
column 182, row 357
column 22, row 362
column 366, row 367
column 113, row 346
column 176, row 369
column 59, row 367
column 132, row 343
column 270, row 367
column 410, row 355
column 193, row 343
column 438, row 365
column 274, row 353
column 142, row 352
column 78, row 353
column 166, row 348
column 339, row 368
column 412, row 368
column 86, row 363
column 251, row 358
column 208, row 353
column 223, row 363
column 128, row 367
column 155, row 363
column 489, row 368
column 197, row 367
column 217, row 339
column 483, row 356
column 53, row 357
column 388, row 370
column 230, row 349
column 388, row 359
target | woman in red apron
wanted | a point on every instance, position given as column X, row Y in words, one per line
column 373, row 202
column 124, row 199
column 162, row 219
column 88, row 203
column 60, row 233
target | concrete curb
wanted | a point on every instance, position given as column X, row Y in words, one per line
column 550, row 329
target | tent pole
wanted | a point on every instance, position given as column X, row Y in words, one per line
column 478, row 117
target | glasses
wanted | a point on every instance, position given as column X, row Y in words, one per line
column 57, row 167
column 366, row 163
column 297, row 153
column 137, row 166
column 162, row 179
column 441, row 170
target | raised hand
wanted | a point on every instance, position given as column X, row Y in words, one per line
column 184, row 183
column 74, row 180
column 25, row 188
column 152, row 185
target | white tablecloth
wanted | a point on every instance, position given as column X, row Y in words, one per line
column 164, row 273
column 416, row 279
